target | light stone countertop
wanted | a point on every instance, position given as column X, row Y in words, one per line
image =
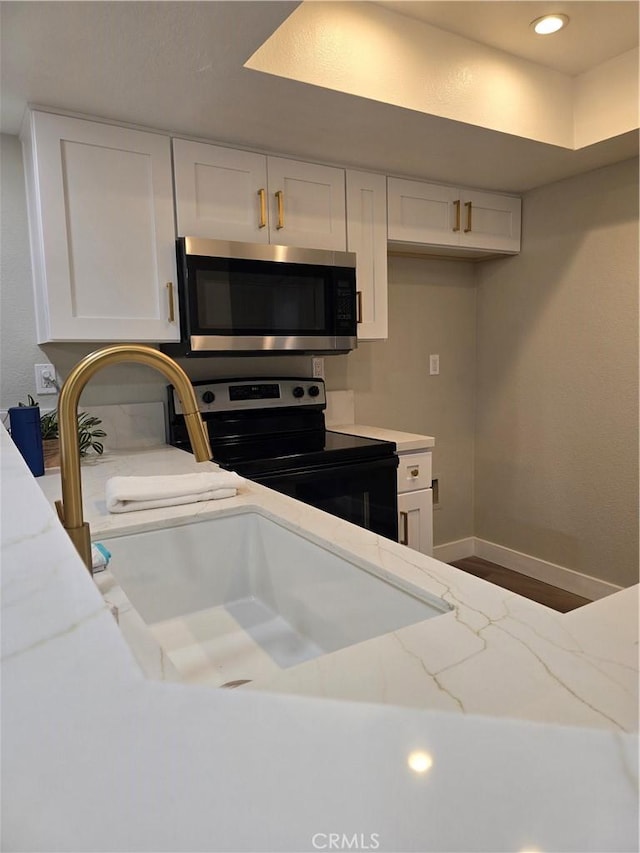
column 340, row 417
column 404, row 441
column 98, row 757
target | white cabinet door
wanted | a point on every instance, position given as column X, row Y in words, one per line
column 490, row 221
column 221, row 193
column 101, row 227
column 415, row 520
column 367, row 237
column 421, row 212
column 307, row 205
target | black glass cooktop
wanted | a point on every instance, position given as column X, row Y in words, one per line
column 266, row 439
column 271, row 454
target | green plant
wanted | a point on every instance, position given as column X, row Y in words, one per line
column 49, row 425
column 87, row 434
column 88, row 431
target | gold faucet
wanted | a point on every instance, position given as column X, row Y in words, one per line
column 70, row 507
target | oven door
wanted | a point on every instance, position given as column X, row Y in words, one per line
column 364, row 493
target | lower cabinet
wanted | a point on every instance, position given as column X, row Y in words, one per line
column 415, row 501
column 415, row 520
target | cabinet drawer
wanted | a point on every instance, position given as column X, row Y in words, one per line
column 414, row 471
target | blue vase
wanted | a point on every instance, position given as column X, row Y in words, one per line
column 24, row 422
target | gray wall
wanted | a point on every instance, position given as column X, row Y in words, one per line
column 556, row 472
column 17, row 317
column 432, row 309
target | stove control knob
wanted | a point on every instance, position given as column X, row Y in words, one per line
column 314, row 391
column 208, row 397
column 298, row 391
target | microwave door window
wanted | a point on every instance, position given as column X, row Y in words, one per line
column 285, row 311
column 251, row 305
column 214, row 307
column 298, row 306
column 243, row 302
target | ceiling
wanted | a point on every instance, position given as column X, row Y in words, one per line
column 178, row 67
column 596, row 31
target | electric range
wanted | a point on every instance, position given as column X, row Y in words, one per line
column 272, row 431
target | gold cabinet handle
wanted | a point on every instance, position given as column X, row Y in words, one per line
column 467, row 204
column 404, row 518
column 358, row 306
column 415, row 472
column 456, row 204
column 172, row 310
column 262, row 195
column 280, row 198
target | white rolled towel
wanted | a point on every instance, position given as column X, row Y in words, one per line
column 126, row 494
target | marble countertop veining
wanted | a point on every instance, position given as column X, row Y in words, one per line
column 521, row 709
column 495, row 653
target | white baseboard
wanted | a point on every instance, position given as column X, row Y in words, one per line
column 551, row 573
column 457, row 550
column 567, row 579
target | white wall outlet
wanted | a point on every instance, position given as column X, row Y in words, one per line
column 317, row 368
column 434, row 365
column 46, row 382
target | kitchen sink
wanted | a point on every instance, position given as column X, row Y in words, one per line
column 238, row 597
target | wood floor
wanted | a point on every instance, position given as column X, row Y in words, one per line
column 552, row 596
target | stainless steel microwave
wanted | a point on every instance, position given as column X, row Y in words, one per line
column 246, row 299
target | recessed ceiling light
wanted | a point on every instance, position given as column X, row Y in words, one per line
column 549, row 24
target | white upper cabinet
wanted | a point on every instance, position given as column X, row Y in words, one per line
column 101, row 201
column 490, row 221
column 419, row 212
column 221, row 193
column 437, row 215
column 367, row 237
column 225, row 194
column 101, row 230
column 307, row 204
